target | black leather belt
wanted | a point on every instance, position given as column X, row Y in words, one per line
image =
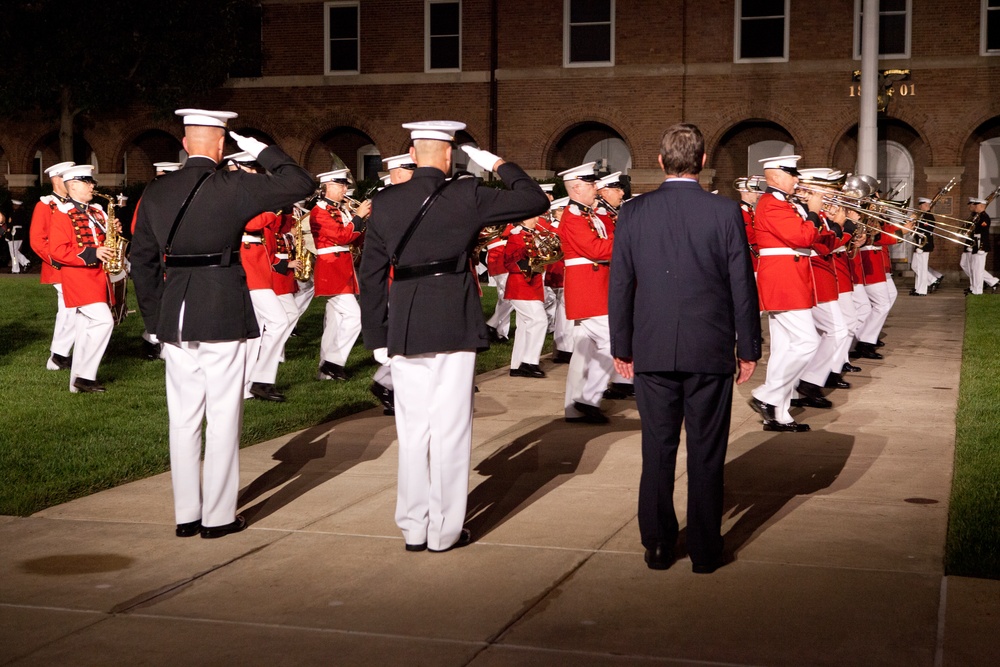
column 197, row 261
column 445, row 266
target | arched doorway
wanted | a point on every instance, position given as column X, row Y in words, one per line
column 591, row 141
column 981, row 159
column 739, row 150
column 341, row 147
column 149, row 147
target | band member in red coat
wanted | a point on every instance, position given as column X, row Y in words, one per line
column 555, row 296
column 785, row 234
column 587, row 240
column 76, row 238
column 879, row 295
column 498, row 324
column 748, row 199
column 64, row 331
column 333, row 233
column 526, row 292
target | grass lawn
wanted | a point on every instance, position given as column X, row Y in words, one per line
column 973, row 547
column 56, row 446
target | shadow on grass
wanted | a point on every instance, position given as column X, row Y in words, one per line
column 14, row 336
column 535, row 464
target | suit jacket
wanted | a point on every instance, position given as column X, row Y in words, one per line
column 682, row 291
column 216, row 300
column 435, row 313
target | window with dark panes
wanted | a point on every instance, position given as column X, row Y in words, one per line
column 342, row 26
column 991, row 36
column 444, row 44
column 893, row 27
column 762, row 29
column 590, row 31
column 249, row 61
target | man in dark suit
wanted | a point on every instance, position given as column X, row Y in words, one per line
column 193, row 295
column 433, row 324
column 682, row 296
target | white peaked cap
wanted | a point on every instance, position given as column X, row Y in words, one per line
column 976, row 200
column 783, row 162
column 923, row 200
column 611, row 180
column 242, row 156
column 397, row 161
column 442, row 130
column 547, row 187
column 166, row 166
column 823, row 173
column 335, row 176
column 16, row 202
column 203, row 117
column 559, row 203
column 58, row 169
column 584, row 172
column 79, row 171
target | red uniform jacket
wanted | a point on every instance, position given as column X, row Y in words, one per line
column 494, row 253
column 842, row 264
column 255, row 255
column 282, row 277
column 554, row 272
column 74, row 237
column 873, row 261
column 857, row 268
column 784, row 282
column 586, row 284
column 824, row 271
column 751, row 234
column 518, row 286
column 333, row 272
column 41, row 221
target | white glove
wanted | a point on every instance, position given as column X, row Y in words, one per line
column 248, row 144
column 919, row 251
column 981, row 252
column 381, row 355
column 484, row 159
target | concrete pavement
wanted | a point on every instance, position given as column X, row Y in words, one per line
column 838, row 536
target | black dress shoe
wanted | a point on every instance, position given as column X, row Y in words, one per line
column 385, row 396
column 765, row 410
column 836, row 381
column 591, row 414
column 867, row 351
column 266, row 392
column 527, row 371
column 88, row 386
column 791, row 427
column 879, row 343
column 150, row 351
column 812, row 402
column 849, row 368
column 221, row 531
column 331, row 371
column 417, row 547
column 619, row 391
column 464, row 540
column 62, row 362
column 809, row 389
column 660, row 556
column 494, row 335
column 189, row 529
column 710, row 566
column 561, row 357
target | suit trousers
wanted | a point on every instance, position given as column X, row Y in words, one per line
column 264, row 353
column 64, row 331
column 94, row 325
column 500, row 319
column 205, row 383
column 794, row 340
column 433, row 394
column 881, row 301
column 921, row 277
column 530, row 335
column 833, row 343
column 703, row 402
column 562, row 329
column 591, row 365
column 341, row 326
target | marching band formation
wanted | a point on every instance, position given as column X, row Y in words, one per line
column 818, row 240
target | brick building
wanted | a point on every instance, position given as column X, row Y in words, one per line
column 552, row 84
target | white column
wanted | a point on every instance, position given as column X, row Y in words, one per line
column 868, row 121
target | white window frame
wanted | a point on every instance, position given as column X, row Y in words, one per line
column 737, row 35
column 566, row 40
column 368, row 149
column 427, row 35
column 982, row 31
column 882, row 56
column 326, row 36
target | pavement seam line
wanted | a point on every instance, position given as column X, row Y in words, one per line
column 942, row 614
column 642, row 658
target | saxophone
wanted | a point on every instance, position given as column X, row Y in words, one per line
column 304, row 271
column 113, row 241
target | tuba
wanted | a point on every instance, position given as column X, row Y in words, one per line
column 302, row 253
column 113, row 241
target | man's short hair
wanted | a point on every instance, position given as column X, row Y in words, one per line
column 682, row 148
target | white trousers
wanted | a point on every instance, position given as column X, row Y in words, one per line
column 978, row 273
column 433, row 394
column 562, row 329
column 94, row 325
column 834, row 342
column 292, row 311
column 304, row 296
column 341, row 326
column 17, row 258
column 862, row 307
column 934, row 273
column 890, row 286
column 794, row 340
column 264, row 353
column 530, row 335
column 881, row 302
column 849, row 309
column 205, row 383
column 964, row 264
column 64, row 331
column 383, row 375
column 591, row 365
column 500, row 319
column 922, row 277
